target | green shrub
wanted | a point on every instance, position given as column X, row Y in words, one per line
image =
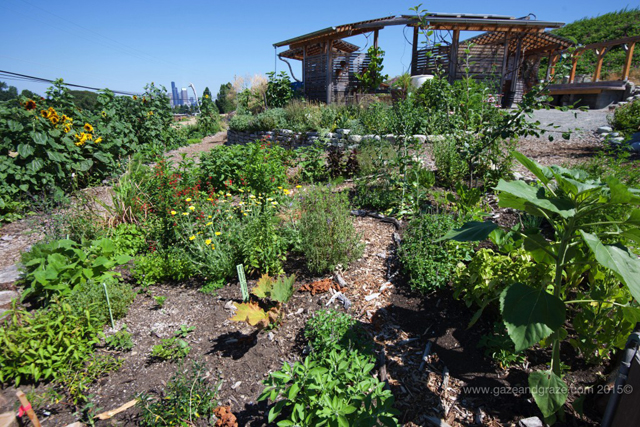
column 129, row 239
column 188, row 396
column 328, row 235
column 339, row 390
column 450, row 165
column 90, row 297
column 430, row 264
column 311, row 164
column 59, row 267
column 163, row 266
column 172, row 348
column 330, row 330
column 43, row 343
column 626, row 119
column 121, row 340
column 262, row 244
column 279, row 91
column 209, row 118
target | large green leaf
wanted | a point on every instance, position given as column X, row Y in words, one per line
column 282, row 290
column 548, row 390
column 618, row 259
column 530, row 314
column 25, row 150
column 472, row 231
column 634, row 218
column 84, row 165
column 523, row 196
column 620, row 193
column 541, row 172
column 35, row 165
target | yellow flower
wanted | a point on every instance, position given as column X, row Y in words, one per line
column 206, row 96
column 279, row 188
column 135, row 97
column 207, row 242
column 188, row 199
column 88, row 127
column 213, row 246
column 218, row 233
column 173, row 212
column 298, row 186
column 192, row 208
column 209, row 217
column 67, row 128
column 54, row 119
column 151, row 113
column 228, row 195
column 274, row 203
column 285, row 191
column 185, row 213
column 269, row 199
column 251, row 196
column 98, row 140
column 241, row 190
column 192, row 238
column 104, row 114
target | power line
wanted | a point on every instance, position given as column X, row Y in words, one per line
column 24, row 77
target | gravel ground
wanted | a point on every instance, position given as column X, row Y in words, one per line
column 570, row 120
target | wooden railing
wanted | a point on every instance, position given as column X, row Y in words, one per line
column 600, row 49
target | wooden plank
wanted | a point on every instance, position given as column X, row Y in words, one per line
column 505, row 57
column 375, row 38
column 576, row 91
column 627, row 61
column 516, row 65
column 574, row 66
column 329, row 71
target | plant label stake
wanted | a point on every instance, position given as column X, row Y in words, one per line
column 108, row 304
column 243, row 282
column 25, row 408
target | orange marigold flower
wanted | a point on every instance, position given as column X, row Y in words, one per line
column 30, row 104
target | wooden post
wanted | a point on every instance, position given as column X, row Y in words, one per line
column 453, row 55
column 516, row 65
column 600, row 53
column 329, row 71
column 627, row 62
column 26, row 407
column 414, row 51
column 552, row 64
column 505, row 58
column 375, row 39
column 574, row 66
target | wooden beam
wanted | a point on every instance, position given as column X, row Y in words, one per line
column 600, row 53
column 574, row 91
column 574, row 66
column 334, row 36
column 453, row 55
column 375, row 38
column 414, row 52
column 627, row 61
column 516, row 65
column 329, row 71
column 505, row 59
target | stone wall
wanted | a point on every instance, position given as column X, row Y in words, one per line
column 292, row 139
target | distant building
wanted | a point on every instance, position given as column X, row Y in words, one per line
column 185, row 97
column 175, row 99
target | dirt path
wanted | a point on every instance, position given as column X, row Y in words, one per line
column 193, row 150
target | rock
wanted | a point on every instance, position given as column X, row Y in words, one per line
column 7, row 296
column 356, row 139
column 518, row 176
column 604, row 129
column 531, row 422
column 635, row 147
column 434, row 421
column 9, row 274
column 616, row 140
column 630, row 99
column 421, row 138
column 605, row 135
column 614, row 134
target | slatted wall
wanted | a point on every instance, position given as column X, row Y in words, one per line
column 315, row 76
column 345, row 67
column 429, row 64
column 484, row 62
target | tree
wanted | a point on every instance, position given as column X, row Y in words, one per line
column 224, row 100
column 209, row 119
column 7, row 92
column 28, row 94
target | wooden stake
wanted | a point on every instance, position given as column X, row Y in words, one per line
column 627, row 61
column 26, row 407
column 111, row 413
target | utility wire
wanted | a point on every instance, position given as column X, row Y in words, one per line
column 24, row 77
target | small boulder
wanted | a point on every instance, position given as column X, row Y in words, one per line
column 604, row 129
column 531, row 422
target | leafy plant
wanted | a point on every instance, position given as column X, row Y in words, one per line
column 499, row 347
column 57, row 268
column 279, row 91
column 121, row 340
column 626, row 118
column 587, row 235
column 41, row 344
column 74, row 380
column 172, row 348
column 275, row 293
column 337, row 391
column 330, row 330
column 209, row 118
column 262, row 244
column 188, row 398
column 91, row 297
column 163, row 266
column 328, row 236
column 160, row 300
column 371, row 78
column 184, row 331
column 429, row 263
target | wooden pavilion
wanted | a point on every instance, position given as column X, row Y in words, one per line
column 507, row 53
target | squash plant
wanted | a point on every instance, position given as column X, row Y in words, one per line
column 585, row 216
column 275, row 293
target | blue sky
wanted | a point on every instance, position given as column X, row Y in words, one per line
column 125, row 44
